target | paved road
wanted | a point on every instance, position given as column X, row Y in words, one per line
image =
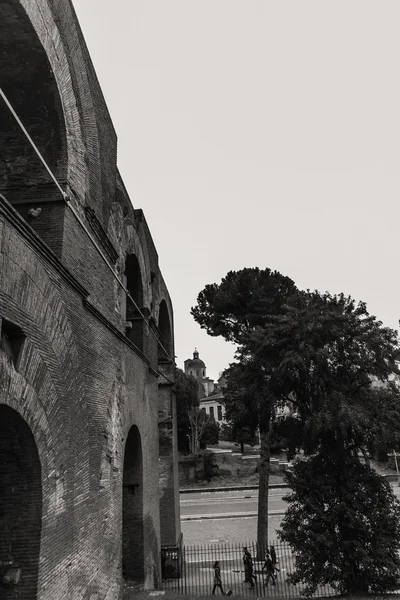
column 234, row 502
column 238, row 503
column 234, row 530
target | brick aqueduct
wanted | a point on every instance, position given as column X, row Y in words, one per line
column 88, row 477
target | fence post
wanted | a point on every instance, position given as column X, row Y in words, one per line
column 197, row 576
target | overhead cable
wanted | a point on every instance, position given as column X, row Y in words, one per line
column 78, row 218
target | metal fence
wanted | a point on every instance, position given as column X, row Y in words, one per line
column 189, row 570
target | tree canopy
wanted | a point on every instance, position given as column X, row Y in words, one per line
column 324, row 355
column 240, row 306
column 242, row 301
column 194, row 427
column 320, row 353
column 343, row 523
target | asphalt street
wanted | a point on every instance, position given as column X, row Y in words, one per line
column 236, row 503
column 210, row 517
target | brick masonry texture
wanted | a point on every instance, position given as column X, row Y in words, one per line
column 88, row 457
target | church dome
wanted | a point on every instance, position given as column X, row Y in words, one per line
column 195, row 362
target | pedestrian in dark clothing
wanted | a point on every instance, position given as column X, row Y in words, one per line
column 217, row 578
column 273, row 558
column 248, row 568
column 269, row 569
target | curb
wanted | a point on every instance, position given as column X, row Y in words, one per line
column 238, row 515
column 231, row 488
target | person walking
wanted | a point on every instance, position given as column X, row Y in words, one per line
column 217, row 578
column 274, row 559
column 248, row 568
column 269, row 569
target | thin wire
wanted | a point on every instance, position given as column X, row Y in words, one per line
column 16, row 117
column 76, row 214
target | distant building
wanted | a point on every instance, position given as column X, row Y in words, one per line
column 212, row 400
column 213, row 406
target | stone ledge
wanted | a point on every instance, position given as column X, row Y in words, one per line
column 14, row 218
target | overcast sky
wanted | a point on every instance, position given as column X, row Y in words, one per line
column 258, row 133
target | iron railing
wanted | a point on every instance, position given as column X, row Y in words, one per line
column 189, row 570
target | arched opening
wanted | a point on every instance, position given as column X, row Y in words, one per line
column 134, row 321
column 167, row 433
column 132, row 509
column 20, row 508
column 30, row 86
column 134, row 284
column 164, row 327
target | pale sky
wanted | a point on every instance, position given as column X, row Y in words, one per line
column 257, row 133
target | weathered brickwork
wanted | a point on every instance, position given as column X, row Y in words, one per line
column 87, row 438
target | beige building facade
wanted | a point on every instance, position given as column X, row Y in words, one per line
column 212, row 392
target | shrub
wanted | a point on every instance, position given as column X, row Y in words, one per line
column 343, row 523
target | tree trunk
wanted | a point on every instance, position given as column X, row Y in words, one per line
column 193, row 439
column 262, row 524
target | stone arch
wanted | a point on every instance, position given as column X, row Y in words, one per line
column 165, row 329
column 48, row 33
column 30, row 85
column 132, row 509
column 134, row 283
column 167, row 437
column 20, row 506
column 58, row 40
column 89, row 169
column 135, row 245
column 50, row 362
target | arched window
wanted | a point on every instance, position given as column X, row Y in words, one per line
column 164, row 327
column 20, row 506
column 134, row 321
column 134, row 284
column 30, row 86
column 132, row 509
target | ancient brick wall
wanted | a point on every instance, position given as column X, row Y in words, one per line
column 80, row 389
column 76, row 380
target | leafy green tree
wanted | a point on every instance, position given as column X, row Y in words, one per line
column 210, row 434
column 241, row 426
column 322, row 356
column 280, row 434
column 191, row 420
column 316, row 351
column 384, row 434
column 329, row 351
column 244, row 302
column 248, row 399
column 343, row 523
column 238, row 434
